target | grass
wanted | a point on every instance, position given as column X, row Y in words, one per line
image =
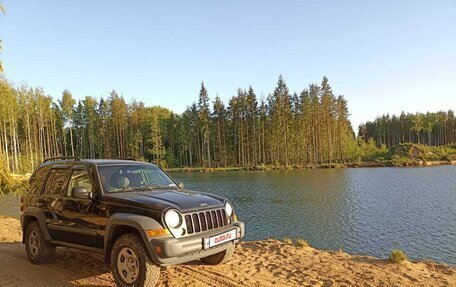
column 409, row 154
column 288, row 240
column 397, row 256
column 301, row 242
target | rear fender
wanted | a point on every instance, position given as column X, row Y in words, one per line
column 30, row 214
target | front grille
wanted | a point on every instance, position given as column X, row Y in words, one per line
column 205, row 220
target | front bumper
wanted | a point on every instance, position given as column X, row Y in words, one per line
column 180, row 250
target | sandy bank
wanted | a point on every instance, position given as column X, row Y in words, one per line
column 261, row 263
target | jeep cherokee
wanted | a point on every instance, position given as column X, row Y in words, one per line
column 132, row 212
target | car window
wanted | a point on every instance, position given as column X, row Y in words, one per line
column 79, row 178
column 37, row 179
column 56, row 181
column 118, row 178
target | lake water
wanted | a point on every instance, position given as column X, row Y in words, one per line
column 365, row 210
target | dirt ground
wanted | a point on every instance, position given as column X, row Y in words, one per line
column 260, row 263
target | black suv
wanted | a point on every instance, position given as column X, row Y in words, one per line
column 132, row 212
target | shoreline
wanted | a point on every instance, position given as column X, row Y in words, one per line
column 368, row 164
column 388, row 163
column 254, row 263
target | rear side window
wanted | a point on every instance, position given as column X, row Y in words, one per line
column 37, row 180
column 56, row 181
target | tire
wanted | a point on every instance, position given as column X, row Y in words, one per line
column 38, row 250
column 131, row 265
column 219, row 258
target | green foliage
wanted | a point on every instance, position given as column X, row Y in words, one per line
column 409, row 154
column 301, row 242
column 370, row 152
column 169, row 159
column 288, row 240
column 433, row 129
column 406, row 154
column 10, row 183
column 397, row 256
column 285, row 130
column 204, row 122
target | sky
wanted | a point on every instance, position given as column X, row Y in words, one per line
column 383, row 56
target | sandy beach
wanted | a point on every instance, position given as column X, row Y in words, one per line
column 259, row 263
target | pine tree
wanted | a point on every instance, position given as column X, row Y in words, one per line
column 219, row 115
column 280, row 104
column 67, row 106
column 157, row 149
column 252, row 114
column 204, row 118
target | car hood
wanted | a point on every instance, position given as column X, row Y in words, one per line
column 183, row 200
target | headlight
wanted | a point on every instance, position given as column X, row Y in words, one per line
column 173, row 219
column 228, row 209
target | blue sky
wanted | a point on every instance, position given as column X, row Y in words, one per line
column 384, row 56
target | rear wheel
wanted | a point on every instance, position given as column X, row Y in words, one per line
column 219, row 258
column 38, row 250
column 130, row 263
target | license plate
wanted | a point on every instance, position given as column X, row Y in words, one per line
column 219, row 239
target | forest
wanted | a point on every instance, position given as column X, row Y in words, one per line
column 285, row 129
column 311, row 127
column 433, row 129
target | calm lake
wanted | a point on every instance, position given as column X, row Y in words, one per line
column 361, row 210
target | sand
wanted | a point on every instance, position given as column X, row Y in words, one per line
column 259, row 263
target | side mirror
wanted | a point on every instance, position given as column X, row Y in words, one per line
column 180, row 185
column 80, row 192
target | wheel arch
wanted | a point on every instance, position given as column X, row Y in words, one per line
column 123, row 223
column 34, row 214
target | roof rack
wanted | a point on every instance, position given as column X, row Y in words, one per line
column 62, row 158
column 125, row 158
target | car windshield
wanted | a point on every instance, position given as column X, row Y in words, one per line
column 118, row 178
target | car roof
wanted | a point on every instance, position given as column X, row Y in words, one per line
column 99, row 162
column 112, row 161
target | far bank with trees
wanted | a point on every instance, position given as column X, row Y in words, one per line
column 285, row 129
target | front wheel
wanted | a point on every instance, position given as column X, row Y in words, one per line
column 131, row 265
column 219, row 258
column 38, row 250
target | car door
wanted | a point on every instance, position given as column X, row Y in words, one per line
column 80, row 215
column 50, row 198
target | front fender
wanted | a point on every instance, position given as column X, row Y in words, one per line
column 139, row 222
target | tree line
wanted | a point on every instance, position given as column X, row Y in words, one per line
column 311, row 127
column 434, row 129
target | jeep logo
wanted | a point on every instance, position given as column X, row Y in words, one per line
column 203, row 204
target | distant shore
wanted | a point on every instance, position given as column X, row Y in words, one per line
column 386, row 163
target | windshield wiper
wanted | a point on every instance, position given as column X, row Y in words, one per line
column 150, row 187
column 144, row 188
